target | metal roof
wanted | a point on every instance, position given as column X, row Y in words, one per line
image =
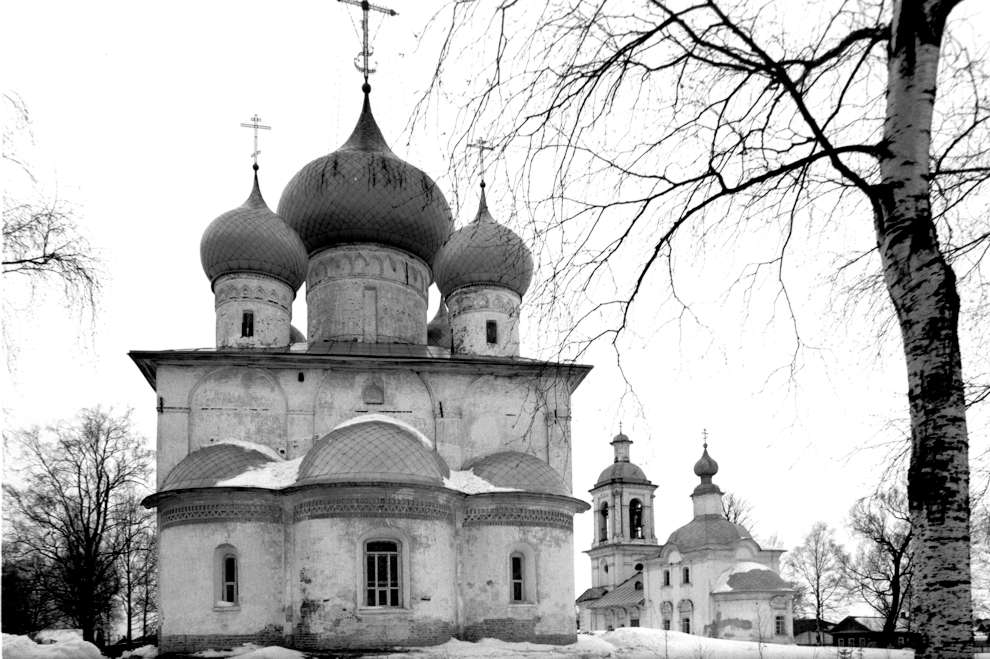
column 519, row 471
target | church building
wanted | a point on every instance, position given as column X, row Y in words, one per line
column 709, row 578
column 381, row 481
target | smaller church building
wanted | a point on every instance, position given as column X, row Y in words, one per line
column 709, row 578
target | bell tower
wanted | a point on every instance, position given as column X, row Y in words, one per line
column 623, row 522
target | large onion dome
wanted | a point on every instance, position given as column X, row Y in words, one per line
column 251, row 238
column 484, row 252
column 364, row 193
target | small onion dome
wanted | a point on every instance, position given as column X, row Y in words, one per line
column 625, row 472
column 708, row 531
column 519, row 471
column 364, row 193
column 372, row 451
column 484, row 252
column 438, row 332
column 749, row 576
column 621, row 437
column 252, row 238
column 705, row 466
column 212, row 464
column 295, row 335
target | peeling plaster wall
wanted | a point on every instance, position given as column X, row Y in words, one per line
column 750, row 617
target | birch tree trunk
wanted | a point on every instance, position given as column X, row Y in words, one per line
column 922, row 287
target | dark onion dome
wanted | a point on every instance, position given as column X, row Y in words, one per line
column 707, row 531
column 438, row 332
column 364, row 193
column 295, row 335
column 484, row 252
column 209, row 465
column 372, row 451
column 251, row 238
column 705, row 466
column 519, row 471
column 626, row 472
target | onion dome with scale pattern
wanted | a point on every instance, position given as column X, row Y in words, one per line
column 364, row 193
column 253, row 239
column 519, row 471
column 484, row 252
column 438, row 332
column 372, row 451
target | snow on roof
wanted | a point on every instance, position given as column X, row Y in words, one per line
column 273, row 475
column 365, row 418
column 749, row 576
column 470, row 483
column 261, row 448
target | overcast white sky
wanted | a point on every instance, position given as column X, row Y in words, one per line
column 136, row 110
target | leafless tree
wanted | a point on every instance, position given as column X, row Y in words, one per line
column 63, row 508
column 882, row 568
column 737, row 510
column 818, row 565
column 667, row 123
column 135, row 543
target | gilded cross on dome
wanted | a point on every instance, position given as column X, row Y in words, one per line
column 482, row 145
column 255, row 123
column 365, row 55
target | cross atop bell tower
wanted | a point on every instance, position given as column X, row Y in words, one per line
column 363, row 60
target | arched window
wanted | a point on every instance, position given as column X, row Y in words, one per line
column 685, row 611
column 636, row 519
column 666, row 614
column 686, row 575
column 603, row 523
column 227, row 576
column 517, row 577
column 382, row 573
column 666, row 577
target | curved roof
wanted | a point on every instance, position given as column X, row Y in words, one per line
column 622, row 471
column 362, row 192
column 519, row 471
column 207, row 466
column 484, row 252
column 296, row 335
column 371, row 451
column 438, row 332
column 707, row 531
column 748, row 576
column 251, row 238
column 705, row 466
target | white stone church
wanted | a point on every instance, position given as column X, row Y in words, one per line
column 381, row 481
column 710, row 578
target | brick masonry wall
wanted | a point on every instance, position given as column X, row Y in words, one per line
column 513, row 630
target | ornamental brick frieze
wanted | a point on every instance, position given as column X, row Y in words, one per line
column 348, row 263
column 518, row 516
column 463, row 301
column 230, row 291
column 372, row 506
column 204, row 513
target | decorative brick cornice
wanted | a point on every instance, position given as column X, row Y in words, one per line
column 482, row 299
column 518, row 516
column 368, row 262
column 204, row 513
column 254, row 288
column 372, row 506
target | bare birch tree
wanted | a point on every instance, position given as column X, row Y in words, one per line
column 668, row 121
column 819, row 566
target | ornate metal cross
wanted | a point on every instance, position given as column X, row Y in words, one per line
column 365, row 54
column 704, row 436
column 256, row 125
column 482, row 145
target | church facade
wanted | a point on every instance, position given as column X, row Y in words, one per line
column 709, row 578
column 382, row 481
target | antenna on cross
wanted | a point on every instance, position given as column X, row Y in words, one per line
column 482, row 145
column 362, row 60
column 255, row 123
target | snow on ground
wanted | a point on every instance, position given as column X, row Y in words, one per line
column 58, row 635
column 252, row 651
column 143, row 652
column 22, row 647
column 470, row 483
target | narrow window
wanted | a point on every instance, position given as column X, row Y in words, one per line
column 603, row 524
column 666, row 577
column 491, row 331
column 382, row 573
column 638, row 585
column 247, row 324
column 636, row 519
column 634, row 622
column 686, row 625
column 778, row 626
column 228, row 584
column 517, row 583
column 686, row 575
column 666, row 624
